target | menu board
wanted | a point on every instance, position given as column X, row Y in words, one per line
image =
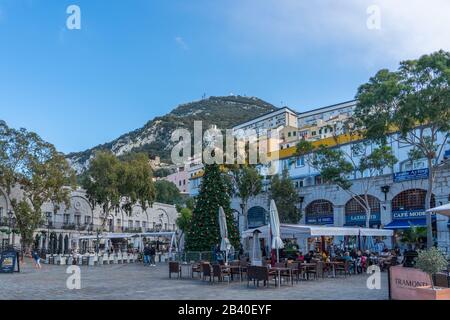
column 8, row 261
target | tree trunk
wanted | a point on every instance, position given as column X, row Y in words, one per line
column 428, row 202
column 245, row 214
column 368, row 213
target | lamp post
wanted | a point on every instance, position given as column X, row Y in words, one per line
column 385, row 190
column 49, row 217
column 10, row 216
column 301, row 199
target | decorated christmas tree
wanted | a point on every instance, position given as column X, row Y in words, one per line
column 204, row 232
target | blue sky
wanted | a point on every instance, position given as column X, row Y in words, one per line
column 137, row 59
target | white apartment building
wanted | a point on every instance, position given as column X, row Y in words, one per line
column 66, row 225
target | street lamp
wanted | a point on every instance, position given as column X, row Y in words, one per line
column 49, row 217
column 385, row 190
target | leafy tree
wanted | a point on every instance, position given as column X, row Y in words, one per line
column 136, row 182
column 282, row 191
column 414, row 235
column 337, row 166
column 114, row 184
column 431, row 261
column 32, row 172
column 163, row 172
column 214, row 193
column 101, row 183
column 247, row 183
column 184, row 220
column 167, row 192
column 410, row 105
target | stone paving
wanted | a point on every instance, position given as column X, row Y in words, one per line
column 138, row 282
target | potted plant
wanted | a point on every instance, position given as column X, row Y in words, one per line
column 432, row 261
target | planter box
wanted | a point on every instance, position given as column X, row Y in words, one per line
column 427, row 293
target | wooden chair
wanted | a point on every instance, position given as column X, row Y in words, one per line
column 317, row 271
column 345, row 268
column 220, row 273
column 174, row 267
column 196, row 268
column 295, row 269
column 206, row 271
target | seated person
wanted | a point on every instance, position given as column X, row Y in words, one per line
column 309, row 256
column 300, row 257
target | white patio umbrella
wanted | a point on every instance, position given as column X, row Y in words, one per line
column 277, row 243
column 225, row 244
column 444, row 210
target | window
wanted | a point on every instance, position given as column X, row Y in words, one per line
column 300, row 162
column 320, row 131
column 313, row 133
column 77, row 219
column 87, row 219
column 412, row 199
column 144, row 224
column 289, row 134
column 137, row 224
column 66, row 218
column 130, row 223
column 119, row 222
column 294, row 133
column 354, row 207
column 1, row 213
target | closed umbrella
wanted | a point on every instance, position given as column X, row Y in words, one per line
column 225, row 244
column 277, row 243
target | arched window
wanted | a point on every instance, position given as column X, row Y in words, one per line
column 354, row 207
column 256, row 217
column 319, row 212
column 355, row 214
column 412, row 199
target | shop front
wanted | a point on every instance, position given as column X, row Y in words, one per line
column 319, row 212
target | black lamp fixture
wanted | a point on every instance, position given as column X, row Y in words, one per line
column 385, row 190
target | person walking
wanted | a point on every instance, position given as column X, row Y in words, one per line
column 37, row 260
column 152, row 256
column 147, row 251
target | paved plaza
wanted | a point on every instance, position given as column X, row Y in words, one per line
column 135, row 281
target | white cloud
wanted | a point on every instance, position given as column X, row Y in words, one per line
column 409, row 28
column 181, row 43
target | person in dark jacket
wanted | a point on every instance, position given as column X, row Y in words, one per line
column 146, row 255
column 152, row 256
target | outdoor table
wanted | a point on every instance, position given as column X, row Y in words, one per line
column 278, row 270
column 188, row 267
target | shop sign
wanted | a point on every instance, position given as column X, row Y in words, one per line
column 408, row 214
column 411, row 175
column 352, row 219
column 320, row 220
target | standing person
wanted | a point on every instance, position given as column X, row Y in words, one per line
column 152, row 256
column 147, row 252
column 37, row 260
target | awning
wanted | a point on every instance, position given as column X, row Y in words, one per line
column 368, row 232
column 296, row 230
column 405, row 224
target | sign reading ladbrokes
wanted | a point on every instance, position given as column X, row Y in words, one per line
column 404, row 281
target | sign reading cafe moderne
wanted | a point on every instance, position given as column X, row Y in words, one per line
column 411, row 175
